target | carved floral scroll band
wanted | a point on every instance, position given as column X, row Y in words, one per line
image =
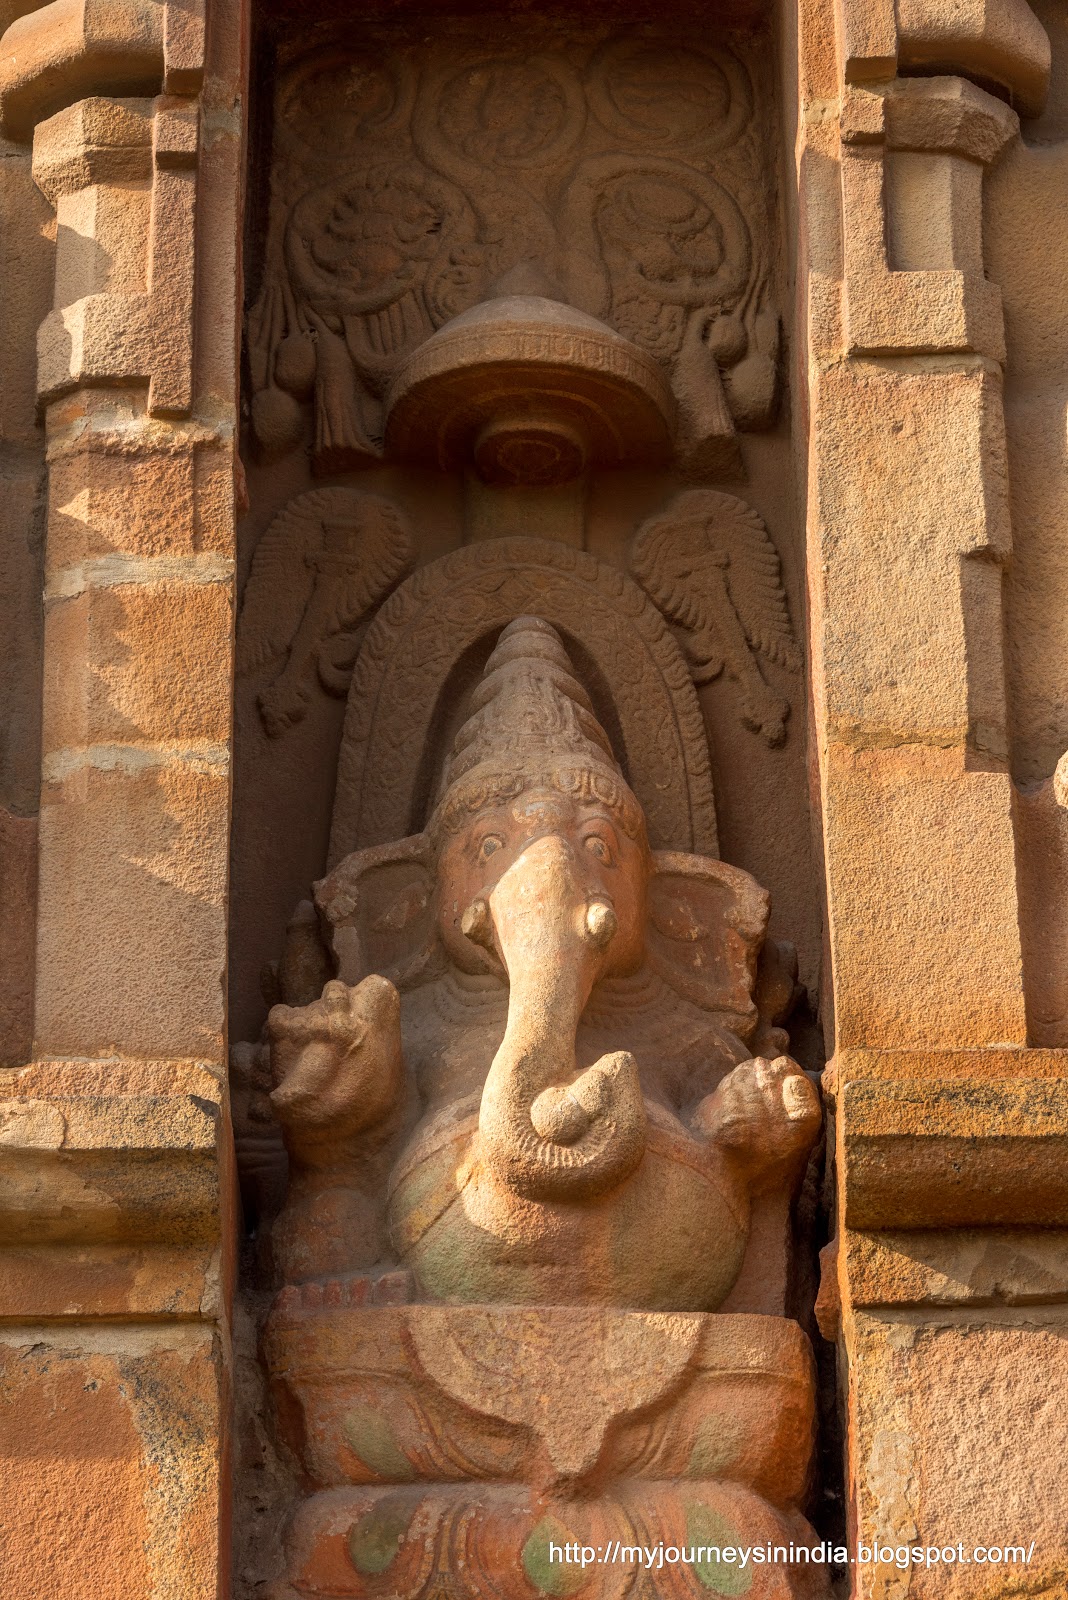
column 405, row 191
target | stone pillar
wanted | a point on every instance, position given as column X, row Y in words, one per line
column 115, row 1170
column 950, row 1131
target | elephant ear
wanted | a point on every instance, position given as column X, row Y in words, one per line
column 706, row 928
column 378, row 906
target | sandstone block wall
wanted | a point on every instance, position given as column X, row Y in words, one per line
column 118, row 1214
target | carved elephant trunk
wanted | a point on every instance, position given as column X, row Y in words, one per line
column 547, row 1131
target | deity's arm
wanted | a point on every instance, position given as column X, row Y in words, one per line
column 765, row 1115
column 338, row 1068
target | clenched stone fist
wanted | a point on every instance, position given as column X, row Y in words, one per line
column 336, row 1064
column 765, row 1113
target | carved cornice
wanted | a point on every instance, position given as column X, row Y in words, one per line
column 998, row 43
column 63, row 52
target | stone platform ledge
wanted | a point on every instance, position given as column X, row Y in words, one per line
column 967, row 1268
column 547, row 1395
column 989, row 1063
column 952, row 1138
column 112, row 1152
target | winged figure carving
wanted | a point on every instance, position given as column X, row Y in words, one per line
column 328, row 559
column 709, row 565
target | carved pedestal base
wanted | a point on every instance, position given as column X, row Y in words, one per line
column 476, row 1451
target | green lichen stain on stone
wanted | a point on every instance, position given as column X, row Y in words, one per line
column 443, row 1268
column 556, row 1576
column 427, row 1183
column 714, row 1447
column 704, row 1528
column 369, row 1436
column 376, row 1538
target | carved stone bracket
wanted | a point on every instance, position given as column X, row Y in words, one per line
column 61, row 52
column 998, row 42
column 913, row 160
column 122, row 176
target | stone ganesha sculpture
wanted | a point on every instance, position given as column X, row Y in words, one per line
column 531, row 1080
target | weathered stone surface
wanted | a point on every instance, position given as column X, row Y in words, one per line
column 536, row 654
column 591, row 1381
column 117, row 1164
column 63, row 51
column 993, row 41
column 577, row 1014
column 948, row 1157
column 463, row 395
column 998, row 41
column 558, row 1401
column 946, row 1151
column 141, row 499
column 116, row 1262
column 163, row 828
column 956, row 1267
column 534, row 813
column 122, row 176
column 18, row 896
column 938, row 1454
column 130, row 662
column 98, row 1421
column 73, row 1282
column 924, row 933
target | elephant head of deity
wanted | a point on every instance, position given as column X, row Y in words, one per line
column 535, row 872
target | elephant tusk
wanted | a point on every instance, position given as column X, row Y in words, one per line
column 601, row 924
column 476, row 924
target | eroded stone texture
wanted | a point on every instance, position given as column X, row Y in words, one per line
column 532, row 892
column 570, row 439
column 527, row 1014
column 946, row 951
column 594, row 286
column 939, row 1455
column 111, row 1444
column 528, row 1020
column 723, row 1405
column 552, row 175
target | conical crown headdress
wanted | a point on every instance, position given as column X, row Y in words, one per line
column 531, row 724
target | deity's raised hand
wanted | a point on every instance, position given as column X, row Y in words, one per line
column 336, row 1064
column 765, row 1113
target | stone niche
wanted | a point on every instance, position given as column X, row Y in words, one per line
column 525, row 930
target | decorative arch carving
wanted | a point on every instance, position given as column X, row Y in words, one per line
column 442, row 616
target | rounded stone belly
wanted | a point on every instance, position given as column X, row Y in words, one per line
column 671, row 1237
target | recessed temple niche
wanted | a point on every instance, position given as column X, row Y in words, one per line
column 525, row 928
